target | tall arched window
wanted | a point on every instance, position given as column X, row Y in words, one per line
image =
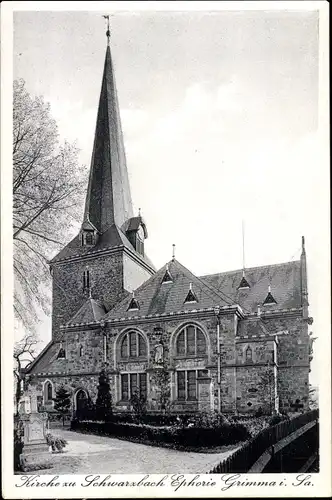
column 191, row 341
column 48, row 391
column 133, row 345
column 248, row 353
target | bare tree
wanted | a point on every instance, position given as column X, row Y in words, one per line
column 47, row 199
column 25, row 352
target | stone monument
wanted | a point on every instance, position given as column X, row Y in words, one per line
column 159, row 354
column 35, row 448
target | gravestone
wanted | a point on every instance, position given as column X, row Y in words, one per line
column 35, row 448
column 205, row 401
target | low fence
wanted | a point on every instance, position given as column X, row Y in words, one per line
column 243, row 459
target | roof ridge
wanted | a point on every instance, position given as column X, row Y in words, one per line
column 250, row 268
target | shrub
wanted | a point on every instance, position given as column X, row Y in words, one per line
column 56, row 442
column 212, row 419
column 276, row 419
column 104, row 398
column 139, row 405
column 62, row 402
column 193, row 437
column 259, row 412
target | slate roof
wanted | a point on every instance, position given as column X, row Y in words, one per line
column 155, row 297
column 133, row 224
column 47, row 360
column 285, row 280
column 108, row 199
column 111, row 238
column 108, row 206
column 92, row 310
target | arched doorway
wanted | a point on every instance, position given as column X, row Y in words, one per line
column 81, row 400
column 81, row 403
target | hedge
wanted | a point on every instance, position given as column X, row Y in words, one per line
column 193, row 437
column 126, row 417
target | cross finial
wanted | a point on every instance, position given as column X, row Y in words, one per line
column 173, row 255
column 139, row 212
column 108, row 33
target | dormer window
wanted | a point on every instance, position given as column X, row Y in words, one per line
column 191, row 297
column 135, row 230
column 140, row 240
column 88, row 238
column 269, row 299
column 167, row 277
column 61, row 353
column 133, row 305
column 243, row 283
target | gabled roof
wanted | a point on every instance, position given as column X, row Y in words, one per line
column 155, row 297
column 92, row 310
column 47, row 360
column 285, row 281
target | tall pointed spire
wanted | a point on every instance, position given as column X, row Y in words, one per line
column 108, row 199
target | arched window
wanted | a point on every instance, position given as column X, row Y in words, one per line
column 48, row 391
column 248, row 353
column 133, row 345
column 191, row 341
column 86, row 279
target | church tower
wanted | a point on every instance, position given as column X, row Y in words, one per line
column 106, row 260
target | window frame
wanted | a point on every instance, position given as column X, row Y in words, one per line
column 86, row 279
column 129, row 375
column 186, row 384
column 48, row 384
column 196, row 352
column 247, row 358
column 126, row 337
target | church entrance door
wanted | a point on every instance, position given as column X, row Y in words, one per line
column 81, row 401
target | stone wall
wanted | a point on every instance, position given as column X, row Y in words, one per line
column 243, row 385
column 133, row 274
column 106, row 279
column 85, row 359
column 228, row 328
column 293, row 361
column 256, row 378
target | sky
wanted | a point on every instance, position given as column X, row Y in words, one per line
column 220, row 114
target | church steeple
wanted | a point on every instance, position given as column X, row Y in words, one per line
column 108, row 199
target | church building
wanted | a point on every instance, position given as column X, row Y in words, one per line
column 236, row 341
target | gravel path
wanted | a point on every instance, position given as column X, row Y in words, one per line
column 89, row 454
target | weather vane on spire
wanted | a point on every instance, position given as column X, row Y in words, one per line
column 108, row 33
